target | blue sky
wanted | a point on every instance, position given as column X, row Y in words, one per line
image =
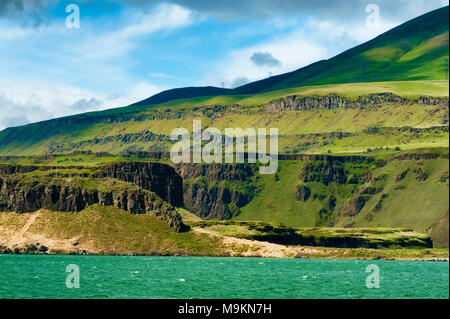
column 125, row 51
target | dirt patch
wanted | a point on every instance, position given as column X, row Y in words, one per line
column 13, row 239
column 250, row 248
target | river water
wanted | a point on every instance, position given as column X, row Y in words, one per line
column 51, row 276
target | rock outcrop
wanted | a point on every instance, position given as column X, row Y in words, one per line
column 217, row 202
column 206, row 192
column 356, row 204
column 159, row 178
column 217, row 172
column 138, row 188
column 144, row 136
column 315, row 102
column 428, row 100
column 302, row 193
column 323, row 172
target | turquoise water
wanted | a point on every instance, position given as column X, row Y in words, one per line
column 44, row 276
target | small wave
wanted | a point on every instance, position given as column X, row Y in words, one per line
column 100, row 297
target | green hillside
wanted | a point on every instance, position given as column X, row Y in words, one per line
column 391, row 195
column 415, row 50
column 148, row 128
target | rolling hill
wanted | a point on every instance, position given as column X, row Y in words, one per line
column 415, row 50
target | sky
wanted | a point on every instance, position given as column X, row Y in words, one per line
column 118, row 52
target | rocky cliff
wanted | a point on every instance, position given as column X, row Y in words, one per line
column 208, row 193
column 161, row 179
column 229, row 172
column 74, row 195
column 138, row 188
column 144, row 136
column 294, row 102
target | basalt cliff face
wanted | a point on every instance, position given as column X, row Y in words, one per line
column 138, row 188
column 218, row 202
column 161, row 179
column 294, row 102
column 203, row 189
column 229, row 172
column 127, row 138
column 207, row 191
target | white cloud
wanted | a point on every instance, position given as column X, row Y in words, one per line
column 8, row 32
column 333, row 32
column 293, row 51
column 117, row 43
column 21, row 103
column 161, row 76
column 46, row 70
column 316, row 40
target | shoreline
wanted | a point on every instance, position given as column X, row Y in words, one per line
column 331, row 257
column 88, row 233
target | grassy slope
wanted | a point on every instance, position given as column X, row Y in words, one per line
column 35, row 138
column 410, row 203
column 108, row 230
column 415, row 50
column 242, row 230
column 373, row 237
column 407, row 89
